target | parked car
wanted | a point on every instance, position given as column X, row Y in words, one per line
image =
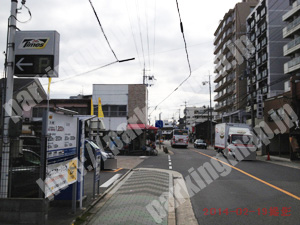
column 199, row 143
column 31, row 143
column 24, row 172
column 108, row 160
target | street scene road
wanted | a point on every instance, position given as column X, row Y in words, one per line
column 257, row 191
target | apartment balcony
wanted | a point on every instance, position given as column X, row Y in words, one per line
column 291, row 47
column 218, row 77
column 229, row 79
column 218, row 87
column 292, row 12
column 219, row 107
column 292, row 65
column 216, row 59
column 291, row 28
column 220, row 97
column 217, row 96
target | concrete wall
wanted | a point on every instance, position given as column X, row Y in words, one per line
column 111, row 94
column 23, row 211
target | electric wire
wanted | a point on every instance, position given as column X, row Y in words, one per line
column 154, row 38
column 187, row 56
column 86, row 72
column 185, row 45
column 139, row 26
column 133, row 37
column 103, row 30
column 147, row 30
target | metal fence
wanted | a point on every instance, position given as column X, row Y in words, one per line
column 24, row 167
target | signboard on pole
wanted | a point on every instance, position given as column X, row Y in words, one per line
column 159, row 124
column 36, row 54
column 62, row 136
column 61, row 155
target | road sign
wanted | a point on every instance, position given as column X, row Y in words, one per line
column 36, row 54
column 159, row 124
column 33, row 64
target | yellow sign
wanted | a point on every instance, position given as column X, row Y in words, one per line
column 72, row 171
column 100, row 112
column 92, row 108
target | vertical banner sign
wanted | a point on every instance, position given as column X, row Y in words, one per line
column 100, row 111
column 92, row 107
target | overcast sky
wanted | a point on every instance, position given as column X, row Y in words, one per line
column 148, row 30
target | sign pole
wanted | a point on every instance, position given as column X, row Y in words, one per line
column 8, row 100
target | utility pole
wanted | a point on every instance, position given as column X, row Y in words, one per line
column 251, row 93
column 210, row 109
column 159, row 132
column 185, row 114
column 8, row 98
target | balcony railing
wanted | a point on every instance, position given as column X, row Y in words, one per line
column 292, row 43
column 293, row 24
column 294, row 62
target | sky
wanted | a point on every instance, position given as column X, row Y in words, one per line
column 147, row 30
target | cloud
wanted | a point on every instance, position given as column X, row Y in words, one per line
column 147, row 30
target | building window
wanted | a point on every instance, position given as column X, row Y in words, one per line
column 38, row 112
column 114, row 110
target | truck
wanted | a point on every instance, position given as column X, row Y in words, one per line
column 233, row 137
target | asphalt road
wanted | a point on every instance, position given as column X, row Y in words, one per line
column 250, row 192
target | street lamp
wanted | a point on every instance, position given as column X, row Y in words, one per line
column 209, row 110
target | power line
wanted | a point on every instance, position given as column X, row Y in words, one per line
column 80, row 74
column 103, row 30
column 185, row 46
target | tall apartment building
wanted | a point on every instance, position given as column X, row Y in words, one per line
column 230, row 87
column 292, row 32
column 265, row 76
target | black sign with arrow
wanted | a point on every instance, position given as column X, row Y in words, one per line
column 32, row 64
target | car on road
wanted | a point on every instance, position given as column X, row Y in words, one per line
column 108, row 160
column 199, row 143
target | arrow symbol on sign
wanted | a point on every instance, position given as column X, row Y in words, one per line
column 19, row 64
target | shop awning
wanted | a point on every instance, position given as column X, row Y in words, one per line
column 140, row 126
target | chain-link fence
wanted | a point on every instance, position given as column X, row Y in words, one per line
column 24, row 167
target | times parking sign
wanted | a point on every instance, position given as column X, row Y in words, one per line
column 36, row 54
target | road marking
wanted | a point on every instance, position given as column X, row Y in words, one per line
column 170, row 163
column 254, row 177
column 111, row 181
column 111, row 171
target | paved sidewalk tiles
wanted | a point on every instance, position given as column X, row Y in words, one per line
column 128, row 205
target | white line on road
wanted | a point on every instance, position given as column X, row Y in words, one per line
column 170, row 163
column 111, row 181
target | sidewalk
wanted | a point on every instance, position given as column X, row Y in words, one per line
column 144, row 196
column 279, row 161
